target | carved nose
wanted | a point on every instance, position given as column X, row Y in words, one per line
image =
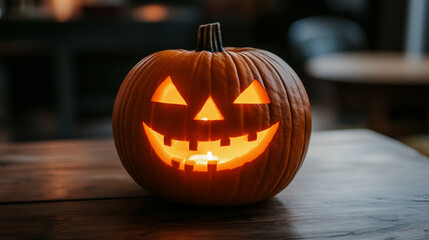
column 209, row 111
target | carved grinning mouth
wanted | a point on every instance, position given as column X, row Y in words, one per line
column 210, row 155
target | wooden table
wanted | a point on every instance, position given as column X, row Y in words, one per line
column 381, row 81
column 354, row 184
column 386, row 68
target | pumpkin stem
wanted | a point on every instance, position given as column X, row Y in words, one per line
column 209, row 38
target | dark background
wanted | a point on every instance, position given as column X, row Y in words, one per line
column 62, row 62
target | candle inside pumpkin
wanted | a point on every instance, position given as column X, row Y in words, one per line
column 203, row 157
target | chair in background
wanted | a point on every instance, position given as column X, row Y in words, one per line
column 315, row 36
column 320, row 35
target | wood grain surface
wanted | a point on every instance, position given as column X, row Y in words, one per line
column 354, row 184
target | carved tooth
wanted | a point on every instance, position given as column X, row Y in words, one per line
column 211, row 165
column 189, row 165
column 167, row 140
column 175, row 162
column 193, row 145
column 225, row 142
column 252, row 136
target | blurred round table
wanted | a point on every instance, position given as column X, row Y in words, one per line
column 381, row 77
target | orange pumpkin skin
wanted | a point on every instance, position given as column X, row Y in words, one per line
column 223, row 75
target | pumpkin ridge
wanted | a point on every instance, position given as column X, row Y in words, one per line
column 255, row 68
column 271, row 188
column 122, row 107
column 211, row 85
column 305, row 102
column 236, row 73
column 209, row 183
column 307, row 122
column 175, row 183
column 285, row 180
column 210, row 129
column 308, row 108
column 267, row 174
column 171, row 62
column 238, row 176
column 292, row 117
column 234, row 63
column 188, row 193
column 132, row 108
column 191, row 84
column 139, row 71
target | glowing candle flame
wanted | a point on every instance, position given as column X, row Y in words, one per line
column 203, row 158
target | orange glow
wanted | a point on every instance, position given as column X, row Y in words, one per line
column 63, row 10
column 253, row 94
column 167, row 93
column 151, row 13
column 209, row 154
column 209, row 112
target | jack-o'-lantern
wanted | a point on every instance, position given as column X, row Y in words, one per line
column 213, row 126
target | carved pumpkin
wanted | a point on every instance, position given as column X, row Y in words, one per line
column 213, row 126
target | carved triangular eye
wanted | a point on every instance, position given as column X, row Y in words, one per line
column 167, row 93
column 253, row 94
